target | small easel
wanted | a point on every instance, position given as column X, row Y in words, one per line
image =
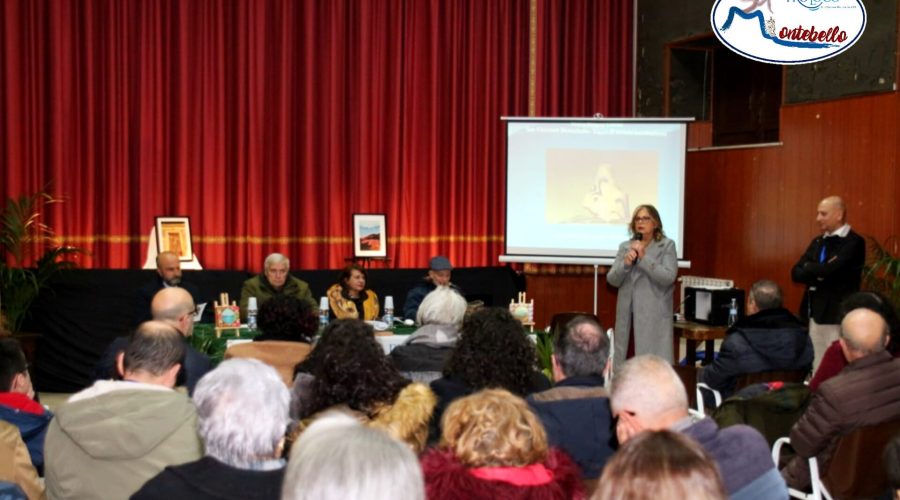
column 523, row 311
column 228, row 317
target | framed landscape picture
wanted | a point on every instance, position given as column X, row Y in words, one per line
column 173, row 234
column 369, row 235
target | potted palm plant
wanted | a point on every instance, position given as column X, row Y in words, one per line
column 882, row 272
column 26, row 241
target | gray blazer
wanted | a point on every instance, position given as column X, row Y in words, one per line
column 645, row 294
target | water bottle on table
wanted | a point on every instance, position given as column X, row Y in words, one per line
column 389, row 312
column 732, row 313
column 252, row 310
column 323, row 312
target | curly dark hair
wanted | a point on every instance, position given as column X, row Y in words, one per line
column 493, row 351
column 284, row 317
column 350, row 368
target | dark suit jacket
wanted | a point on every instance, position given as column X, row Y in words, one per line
column 196, row 364
column 829, row 282
column 145, row 297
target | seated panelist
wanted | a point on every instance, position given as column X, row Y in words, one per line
column 348, row 298
column 275, row 280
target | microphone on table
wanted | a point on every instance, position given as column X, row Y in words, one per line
column 636, row 237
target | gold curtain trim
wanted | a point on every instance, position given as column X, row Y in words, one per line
column 257, row 240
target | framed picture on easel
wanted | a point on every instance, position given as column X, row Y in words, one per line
column 173, row 234
column 369, row 235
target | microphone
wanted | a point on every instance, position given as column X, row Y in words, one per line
column 636, row 237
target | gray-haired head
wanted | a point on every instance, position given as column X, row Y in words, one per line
column 766, row 294
column 276, row 258
column 581, row 348
column 442, row 306
column 243, row 411
column 337, row 458
column 649, row 387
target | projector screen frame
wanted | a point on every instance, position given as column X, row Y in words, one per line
column 604, row 258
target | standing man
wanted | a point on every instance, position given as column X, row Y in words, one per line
column 168, row 268
column 831, row 269
column 275, row 280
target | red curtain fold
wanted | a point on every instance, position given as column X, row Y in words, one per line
column 271, row 122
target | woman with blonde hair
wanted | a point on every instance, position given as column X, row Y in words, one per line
column 660, row 465
column 644, row 272
column 493, row 446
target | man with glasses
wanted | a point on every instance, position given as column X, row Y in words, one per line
column 173, row 306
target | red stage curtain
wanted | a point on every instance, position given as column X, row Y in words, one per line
column 271, row 122
column 584, row 58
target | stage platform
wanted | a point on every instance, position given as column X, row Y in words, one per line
column 85, row 309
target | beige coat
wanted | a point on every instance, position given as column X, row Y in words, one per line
column 15, row 462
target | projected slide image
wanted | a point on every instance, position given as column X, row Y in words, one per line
column 598, row 187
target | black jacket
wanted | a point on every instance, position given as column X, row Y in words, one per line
column 828, row 283
column 208, row 478
column 773, row 339
column 577, row 418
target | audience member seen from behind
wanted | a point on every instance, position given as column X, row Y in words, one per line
column 575, row 412
column 439, row 269
column 16, row 471
column 423, row 355
column 112, row 437
column 866, row 392
column 275, row 280
column 769, row 338
column 17, row 404
column 337, row 458
column 287, row 326
column 833, row 361
column 348, row 370
column 644, row 272
column 660, row 465
column 492, row 351
column 647, row 394
column 174, row 306
column 349, row 298
column 493, row 446
column 243, row 411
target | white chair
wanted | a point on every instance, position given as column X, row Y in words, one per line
column 819, row 491
column 716, row 395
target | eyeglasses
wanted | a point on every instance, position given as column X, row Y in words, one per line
column 643, row 218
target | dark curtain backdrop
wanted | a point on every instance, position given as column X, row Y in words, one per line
column 271, row 122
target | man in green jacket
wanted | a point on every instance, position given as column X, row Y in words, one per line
column 110, row 438
column 275, row 280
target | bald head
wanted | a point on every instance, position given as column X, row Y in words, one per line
column 831, row 214
column 863, row 332
column 174, row 306
column 168, row 266
column 154, row 354
column 648, row 388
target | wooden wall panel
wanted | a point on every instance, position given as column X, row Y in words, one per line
column 751, row 212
